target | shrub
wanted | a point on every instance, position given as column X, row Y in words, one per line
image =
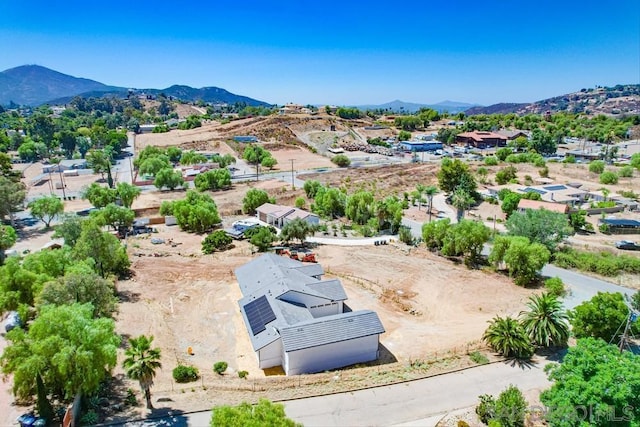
column 90, row 418
column 462, row 423
column 341, row 160
column 511, row 407
column 569, row 159
column 555, row 286
column 608, row 178
column 300, row 202
column 544, row 172
column 505, row 175
column 478, row 358
column 404, row 235
column 220, row 367
column 131, row 398
column 243, row 374
column 491, row 161
column 626, row 172
column 596, row 166
column 185, row 374
column 486, row 409
column 216, row 241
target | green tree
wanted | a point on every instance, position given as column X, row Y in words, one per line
column 196, row 213
column 546, row 321
column 296, row 229
column 508, row 337
column 404, row 135
column 72, row 351
column 99, row 196
column 466, row 238
column 596, row 167
column 311, row 188
column 8, row 238
column 461, row 200
column 118, row 217
column 540, row 226
column 18, row 286
column 69, row 229
column 12, row 195
column 329, row 202
column 388, row 213
column 510, row 203
column 503, row 153
column 594, row 381
column 262, row 238
column 253, row 199
column 127, row 193
column 109, row 255
column 430, row 191
column 268, row 162
column 168, row 178
column 154, row 164
column 600, row 317
column 46, row 209
column 141, row 363
column 360, row 207
column 192, row 158
column 264, row 413
column 83, row 144
column 174, row 154
column 216, row 241
column 635, row 161
column 434, row 233
column 300, row 202
column 341, row 160
column 505, row 175
column 525, row 260
column 100, row 162
column 455, row 174
column 80, row 287
column 215, row 179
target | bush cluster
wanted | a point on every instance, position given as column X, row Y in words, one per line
column 604, row 263
column 185, row 374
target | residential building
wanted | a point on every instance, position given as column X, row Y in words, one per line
column 481, row 139
column 279, row 216
column 297, row 320
column 525, row 204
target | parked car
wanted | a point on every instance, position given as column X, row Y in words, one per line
column 627, row 245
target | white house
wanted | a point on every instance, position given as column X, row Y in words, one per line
column 279, row 215
column 298, row 321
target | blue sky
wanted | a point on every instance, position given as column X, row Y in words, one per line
column 334, row 52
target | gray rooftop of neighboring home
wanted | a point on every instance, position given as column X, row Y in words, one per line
column 331, row 329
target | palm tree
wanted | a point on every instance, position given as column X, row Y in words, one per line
column 546, row 322
column 430, row 191
column 141, row 364
column 508, row 337
column 462, row 201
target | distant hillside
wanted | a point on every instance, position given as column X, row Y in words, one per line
column 409, row 107
column 34, row 85
column 206, row 94
column 616, row 100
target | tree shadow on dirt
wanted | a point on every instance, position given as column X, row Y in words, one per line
column 159, row 417
column 521, row 363
column 128, row 296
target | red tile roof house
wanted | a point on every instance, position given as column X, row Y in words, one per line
column 538, row 204
column 279, row 216
column 480, row 139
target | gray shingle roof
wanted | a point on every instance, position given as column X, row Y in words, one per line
column 330, row 288
column 331, row 329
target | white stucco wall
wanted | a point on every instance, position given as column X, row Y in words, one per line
column 270, row 355
column 331, row 356
column 326, row 309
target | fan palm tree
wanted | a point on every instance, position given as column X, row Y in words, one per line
column 462, row 201
column 508, row 337
column 141, row 363
column 430, row 191
column 546, row 322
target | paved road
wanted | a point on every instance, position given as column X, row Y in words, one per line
column 421, row 402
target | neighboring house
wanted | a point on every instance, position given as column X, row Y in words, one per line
column 481, row 139
column 294, row 109
column 583, row 155
column 147, row 128
column 512, row 134
column 420, row 146
column 297, row 320
column 279, row 216
column 65, row 165
column 555, row 193
column 525, row 204
column 245, row 138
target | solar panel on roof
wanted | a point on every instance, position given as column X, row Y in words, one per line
column 555, row 187
column 259, row 313
column 533, row 190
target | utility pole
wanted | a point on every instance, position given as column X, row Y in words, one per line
column 64, row 194
column 293, row 184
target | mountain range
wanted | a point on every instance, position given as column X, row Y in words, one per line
column 36, row 85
